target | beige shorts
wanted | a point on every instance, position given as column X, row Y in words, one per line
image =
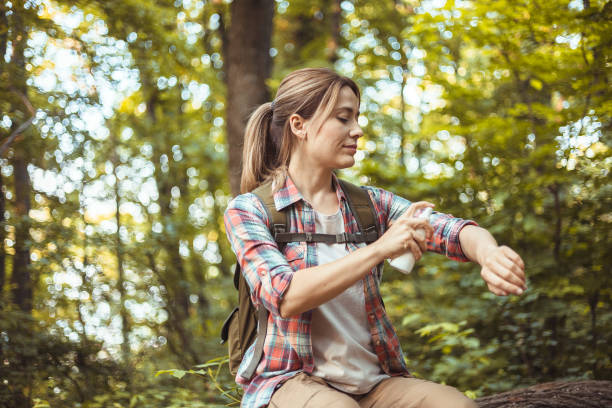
column 305, row 390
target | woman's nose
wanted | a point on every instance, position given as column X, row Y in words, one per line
column 356, row 132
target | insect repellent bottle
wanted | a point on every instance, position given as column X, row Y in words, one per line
column 404, row 263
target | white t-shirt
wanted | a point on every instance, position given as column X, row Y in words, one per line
column 341, row 340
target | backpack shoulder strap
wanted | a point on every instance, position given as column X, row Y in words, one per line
column 278, row 219
column 362, row 208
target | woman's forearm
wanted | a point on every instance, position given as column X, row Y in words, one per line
column 476, row 242
column 311, row 287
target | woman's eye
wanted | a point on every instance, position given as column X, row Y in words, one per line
column 343, row 120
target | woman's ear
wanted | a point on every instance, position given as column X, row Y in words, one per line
column 298, row 126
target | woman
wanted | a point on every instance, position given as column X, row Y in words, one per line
column 329, row 341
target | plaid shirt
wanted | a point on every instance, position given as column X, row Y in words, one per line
column 268, row 272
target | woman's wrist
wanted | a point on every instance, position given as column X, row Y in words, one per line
column 377, row 251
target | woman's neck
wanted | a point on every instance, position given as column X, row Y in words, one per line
column 315, row 185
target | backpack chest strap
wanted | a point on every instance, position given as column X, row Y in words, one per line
column 284, row 237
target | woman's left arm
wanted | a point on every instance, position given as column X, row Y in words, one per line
column 502, row 269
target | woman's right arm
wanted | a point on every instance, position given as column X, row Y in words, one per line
column 311, row 287
column 263, row 266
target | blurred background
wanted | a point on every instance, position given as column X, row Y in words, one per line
column 120, row 138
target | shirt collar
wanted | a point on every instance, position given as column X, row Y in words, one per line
column 289, row 194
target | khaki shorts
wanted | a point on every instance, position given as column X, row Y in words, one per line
column 305, row 390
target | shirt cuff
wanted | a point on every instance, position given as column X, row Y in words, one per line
column 274, row 287
column 453, row 244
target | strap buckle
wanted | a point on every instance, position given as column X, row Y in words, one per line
column 279, row 228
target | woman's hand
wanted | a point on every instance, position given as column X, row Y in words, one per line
column 503, row 270
column 401, row 237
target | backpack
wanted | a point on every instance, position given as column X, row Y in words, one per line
column 247, row 324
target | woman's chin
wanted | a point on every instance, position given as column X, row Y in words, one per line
column 346, row 163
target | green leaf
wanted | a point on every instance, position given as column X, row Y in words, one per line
column 179, row 373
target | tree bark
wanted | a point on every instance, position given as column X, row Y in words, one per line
column 4, row 30
column 2, row 236
column 560, row 394
column 334, row 42
column 3, row 44
column 21, row 279
column 248, row 64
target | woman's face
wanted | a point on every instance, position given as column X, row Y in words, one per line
column 335, row 144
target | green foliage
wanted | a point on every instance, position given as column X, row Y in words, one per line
column 212, row 371
column 498, row 112
column 64, row 370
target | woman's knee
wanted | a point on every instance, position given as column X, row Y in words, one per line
column 401, row 392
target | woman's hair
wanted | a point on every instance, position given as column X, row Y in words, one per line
column 268, row 140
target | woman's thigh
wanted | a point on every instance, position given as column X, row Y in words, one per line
column 401, row 392
column 305, row 391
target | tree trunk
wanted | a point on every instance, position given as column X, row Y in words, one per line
column 334, row 41
column 21, row 280
column 248, row 64
column 2, row 236
column 4, row 30
column 3, row 44
column 561, row 394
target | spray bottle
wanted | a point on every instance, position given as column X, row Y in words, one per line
column 404, row 263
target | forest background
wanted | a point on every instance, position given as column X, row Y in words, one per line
column 120, row 139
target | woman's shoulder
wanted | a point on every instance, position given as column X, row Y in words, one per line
column 247, row 203
column 379, row 195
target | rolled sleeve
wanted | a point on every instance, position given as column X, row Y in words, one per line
column 264, row 267
column 445, row 239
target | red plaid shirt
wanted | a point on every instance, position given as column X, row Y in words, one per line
column 268, row 272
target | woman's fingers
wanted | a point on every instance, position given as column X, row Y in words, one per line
column 515, row 258
column 421, row 241
column 509, row 266
column 419, row 223
column 493, row 278
column 415, row 249
column 410, row 226
column 504, row 271
column 403, row 235
column 509, row 273
column 497, row 291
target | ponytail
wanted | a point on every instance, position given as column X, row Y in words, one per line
column 256, row 154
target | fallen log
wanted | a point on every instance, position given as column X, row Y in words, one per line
column 558, row 394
